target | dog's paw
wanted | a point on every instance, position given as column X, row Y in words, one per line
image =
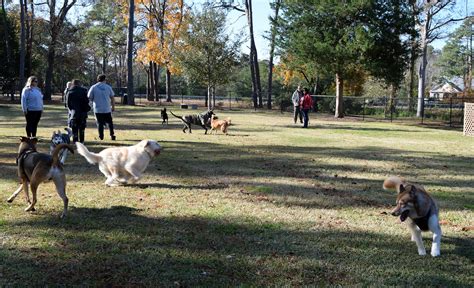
column 30, row 209
column 9, row 200
column 435, row 253
column 421, row 252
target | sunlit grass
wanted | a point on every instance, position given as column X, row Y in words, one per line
column 269, row 205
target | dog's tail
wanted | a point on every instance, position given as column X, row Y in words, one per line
column 179, row 117
column 69, row 131
column 393, row 182
column 92, row 158
column 57, row 150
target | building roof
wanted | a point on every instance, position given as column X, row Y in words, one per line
column 446, row 87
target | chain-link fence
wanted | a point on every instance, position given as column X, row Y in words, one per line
column 449, row 111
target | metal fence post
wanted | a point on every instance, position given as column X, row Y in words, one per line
column 423, row 112
column 391, row 109
column 450, row 111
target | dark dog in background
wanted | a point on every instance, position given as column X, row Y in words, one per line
column 60, row 138
column 164, row 116
column 35, row 168
column 202, row 119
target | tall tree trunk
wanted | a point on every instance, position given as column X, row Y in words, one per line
column 390, row 107
column 272, row 50
column 208, row 101
column 6, row 37
column 254, row 84
column 56, row 23
column 213, row 96
column 156, row 74
column 257, row 88
column 22, row 45
column 168, row 85
column 411, row 83
column 151, row 82
column 104, row 65
column 148, row 84
column 29, row 39
column 421, row 78
column 117, row 72
column 50, row 67
column 469, row 62
column 130, row 92
column 316, row 86
column 339, row 109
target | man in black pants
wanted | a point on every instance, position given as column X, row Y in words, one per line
column 78, row 105
column 102, row 97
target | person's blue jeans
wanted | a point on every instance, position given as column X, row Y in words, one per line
column 305, row 117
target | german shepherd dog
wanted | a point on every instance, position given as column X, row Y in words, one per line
column 219, row 124
column 60, row 138
column 35, row 168
column 202, row 119
column 164, row 116
column 420, row 210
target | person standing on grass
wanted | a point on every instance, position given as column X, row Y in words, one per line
column 78, row 105
column 68, row 86
column 296, row 98
column 305, row 104
column 102, row 97
column 32, row 105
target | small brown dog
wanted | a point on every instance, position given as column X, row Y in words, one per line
column 219, row 124
column 35, row 168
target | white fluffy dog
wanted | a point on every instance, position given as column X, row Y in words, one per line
column 122, row 165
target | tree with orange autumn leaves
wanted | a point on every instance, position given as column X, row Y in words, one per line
column 166, row 21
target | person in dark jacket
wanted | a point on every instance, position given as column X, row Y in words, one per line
column 78, row 105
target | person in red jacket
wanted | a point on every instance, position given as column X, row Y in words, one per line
column 306, row 103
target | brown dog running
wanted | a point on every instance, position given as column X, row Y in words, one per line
column 35, row 168
column 219, row 124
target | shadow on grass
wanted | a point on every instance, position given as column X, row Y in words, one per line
column 118, row 246
column 204, row 162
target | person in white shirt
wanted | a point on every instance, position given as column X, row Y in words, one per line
column 32, row 105
column 102, row 97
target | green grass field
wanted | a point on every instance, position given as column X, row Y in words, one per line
column 270, row 204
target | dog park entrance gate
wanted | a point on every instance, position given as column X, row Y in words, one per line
column 468, row 119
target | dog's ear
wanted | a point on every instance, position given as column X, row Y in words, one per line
column 34, row 140
column 413, row 192
column 23, row 139
column 401, row 188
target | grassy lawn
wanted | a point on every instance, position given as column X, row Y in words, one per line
column 270, row 204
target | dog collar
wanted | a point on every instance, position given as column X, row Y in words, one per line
column 151, row 156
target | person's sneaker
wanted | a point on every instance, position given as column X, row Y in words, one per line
column 101, row 137
column 113, row 138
